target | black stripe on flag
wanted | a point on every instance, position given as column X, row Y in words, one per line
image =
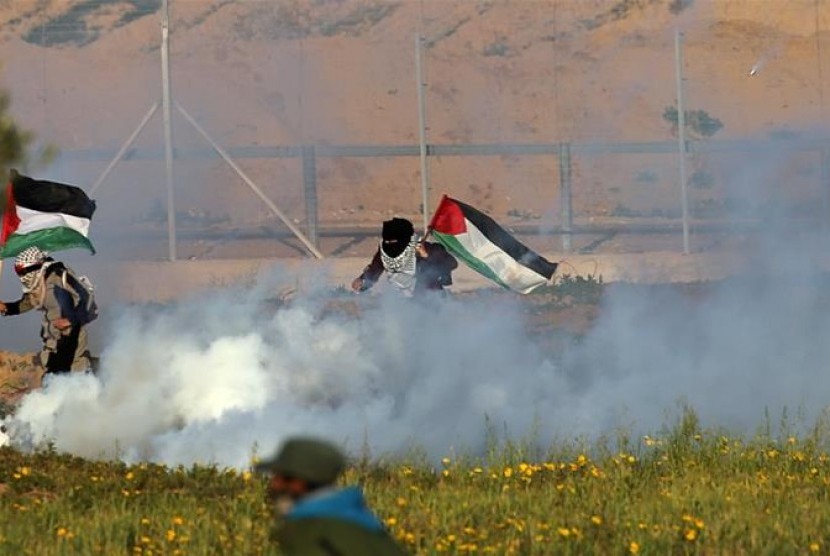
column 49, row 196
column 509, row 244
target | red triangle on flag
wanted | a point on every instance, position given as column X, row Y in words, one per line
column 10, row 219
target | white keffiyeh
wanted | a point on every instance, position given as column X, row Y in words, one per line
column 27, row 258
column 401, row 269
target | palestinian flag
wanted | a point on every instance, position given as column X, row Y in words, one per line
column 45, row 214
column 487, row 248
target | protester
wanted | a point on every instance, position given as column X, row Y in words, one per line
column 412, row 266
column 67, row 304
column 314, row 518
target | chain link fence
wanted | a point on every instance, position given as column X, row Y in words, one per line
column 316, row 104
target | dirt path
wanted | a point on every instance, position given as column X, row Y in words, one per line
column 18, row 375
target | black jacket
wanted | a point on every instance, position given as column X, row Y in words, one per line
column 431, row 273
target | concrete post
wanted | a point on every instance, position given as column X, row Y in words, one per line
column 565, row 195
column 310, row 191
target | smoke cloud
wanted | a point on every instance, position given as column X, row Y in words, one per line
column 207, row 381
column 218, row 377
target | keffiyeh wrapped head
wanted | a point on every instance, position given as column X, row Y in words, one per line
column 29, row 266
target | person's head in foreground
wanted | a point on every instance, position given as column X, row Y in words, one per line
column 300, row 467
column 315, row 518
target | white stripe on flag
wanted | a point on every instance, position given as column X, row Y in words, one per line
column 517, row 276
column 35, row 220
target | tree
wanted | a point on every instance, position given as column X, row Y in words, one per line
column 699, row 124
column 13, row 140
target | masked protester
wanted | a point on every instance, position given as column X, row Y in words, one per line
column 67, row 306
column 412, row 266
column 314, row 518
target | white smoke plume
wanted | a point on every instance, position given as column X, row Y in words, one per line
column 214, row 378
column 206, row 380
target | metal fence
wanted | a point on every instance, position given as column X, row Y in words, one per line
column 556, row 117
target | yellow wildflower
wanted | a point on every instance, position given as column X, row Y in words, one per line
column 633, row 547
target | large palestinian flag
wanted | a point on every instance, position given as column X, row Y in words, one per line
column 45, row 214
column 486, row 247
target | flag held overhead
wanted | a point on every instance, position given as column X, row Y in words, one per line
column 487, row 248
column 49, row 215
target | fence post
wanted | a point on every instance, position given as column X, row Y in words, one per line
column 168, row 131
column 681, row 137
column 824, row 154
column 565, row 194
column 310, row 190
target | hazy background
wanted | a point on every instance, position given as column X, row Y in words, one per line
column 210, row 377
column 255, row 74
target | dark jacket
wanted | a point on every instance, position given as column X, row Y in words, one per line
column 431, row 273
column 335, row 523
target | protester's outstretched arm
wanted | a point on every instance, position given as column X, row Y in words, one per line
column 10, row 308
column 370, row 274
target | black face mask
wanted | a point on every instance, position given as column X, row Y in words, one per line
column 397, row 233
column 394, row 247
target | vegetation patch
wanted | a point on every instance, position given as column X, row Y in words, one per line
column 684, row 489
column 72, row 28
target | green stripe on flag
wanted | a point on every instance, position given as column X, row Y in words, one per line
column 51, row 239
column 454, row 246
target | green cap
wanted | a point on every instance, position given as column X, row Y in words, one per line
column 313, row 460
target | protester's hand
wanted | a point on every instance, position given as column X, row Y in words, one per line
column 421, row 251
column 3, row 308
column 357, row 284
column 62, row 323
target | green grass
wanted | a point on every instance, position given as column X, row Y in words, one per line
column 684, row 491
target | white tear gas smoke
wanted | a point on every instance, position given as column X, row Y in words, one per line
column 211, row 378
column 206, row 381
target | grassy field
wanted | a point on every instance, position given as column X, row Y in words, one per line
column 686, row 490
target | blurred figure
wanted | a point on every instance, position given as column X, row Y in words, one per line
column 314, row 518
column 67, row 304
column 413, row 267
